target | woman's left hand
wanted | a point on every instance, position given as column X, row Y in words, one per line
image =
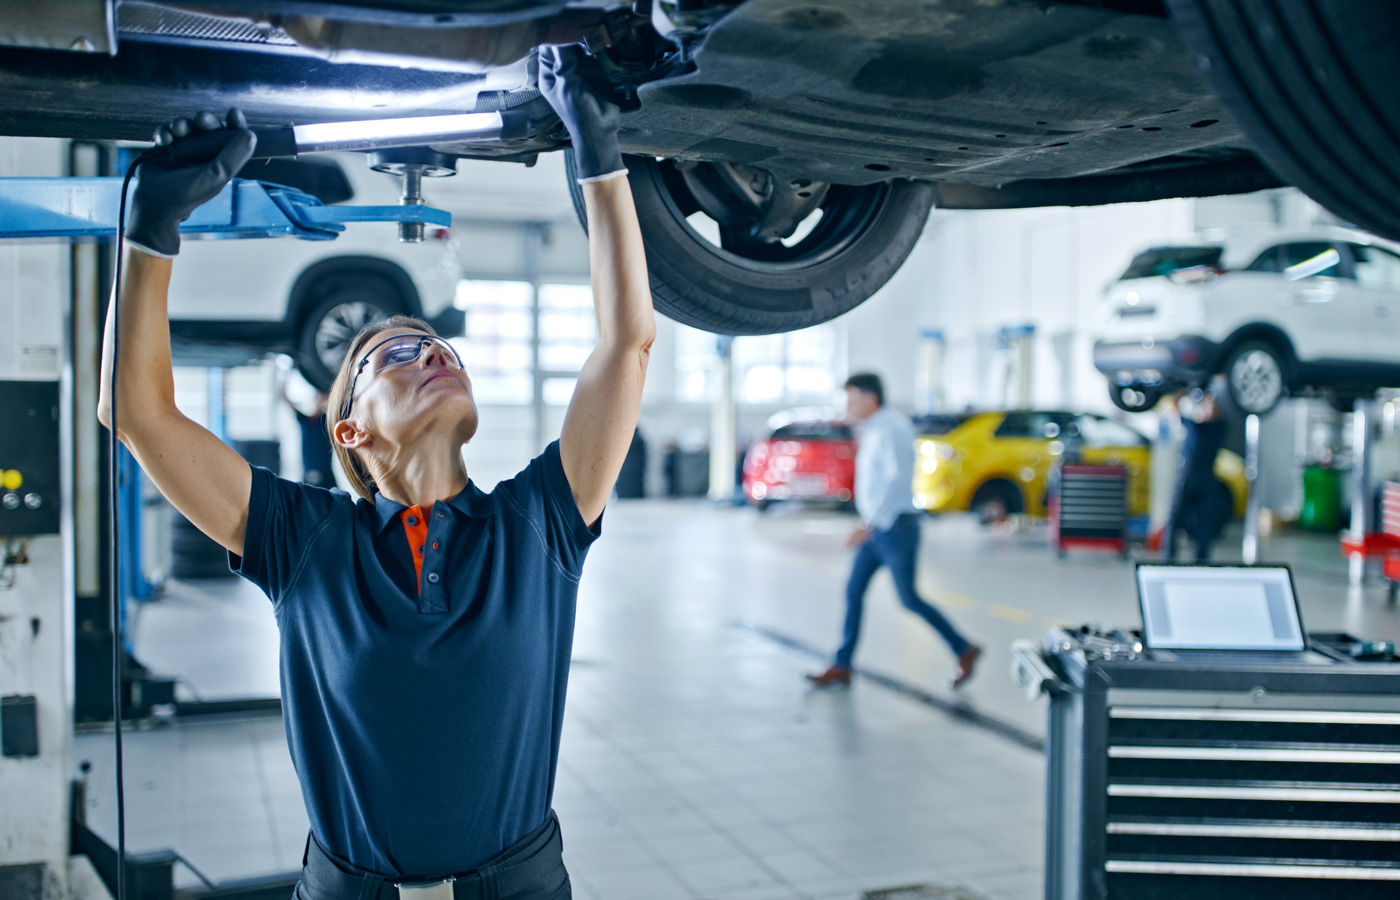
column 576, row 86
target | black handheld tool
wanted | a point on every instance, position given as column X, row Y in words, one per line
column 203, row 146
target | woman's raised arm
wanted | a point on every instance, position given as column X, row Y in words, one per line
column 201, row 475
column 603, row 412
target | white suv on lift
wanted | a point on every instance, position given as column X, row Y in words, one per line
column 1314, row 312
column 233, row 300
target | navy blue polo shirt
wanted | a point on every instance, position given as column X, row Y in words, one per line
column 424, row 725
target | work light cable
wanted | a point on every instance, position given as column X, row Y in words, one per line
column 114, row 523
column 190, row 153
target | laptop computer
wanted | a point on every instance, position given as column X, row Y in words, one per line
column 1222, row 611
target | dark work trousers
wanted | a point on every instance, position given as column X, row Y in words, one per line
column 1197, row 507
column 897, row 548
column 530, row 869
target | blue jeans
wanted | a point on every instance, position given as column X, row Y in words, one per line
column 897, row 548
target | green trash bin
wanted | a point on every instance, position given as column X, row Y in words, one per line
column 1322, row 499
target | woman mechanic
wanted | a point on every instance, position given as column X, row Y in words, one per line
column 426, row 627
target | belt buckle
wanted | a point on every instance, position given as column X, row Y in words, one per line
column 426, row 890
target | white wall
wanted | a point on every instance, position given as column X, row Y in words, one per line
column 982, row 271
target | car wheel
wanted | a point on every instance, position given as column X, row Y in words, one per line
column 779, row 256
column 1255, row 375
column 762, row 505
column 1311, row 85
column 995, row 501
column 1133, row 398
column 346, row 305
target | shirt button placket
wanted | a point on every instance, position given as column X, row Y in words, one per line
column 433, row 600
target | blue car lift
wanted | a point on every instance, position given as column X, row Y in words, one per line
column 86, row 209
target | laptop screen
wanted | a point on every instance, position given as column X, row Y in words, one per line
column 1219, row 608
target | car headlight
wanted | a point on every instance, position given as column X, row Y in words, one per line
column 938, row 451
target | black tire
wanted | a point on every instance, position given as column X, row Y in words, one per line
column 762, row 505
column 864, row 236
column 346, row 302
column 1311, row 83
column 995, row 500
column 264, row 453
column 1134, row 398
column 192, row 554
column 1257, row 376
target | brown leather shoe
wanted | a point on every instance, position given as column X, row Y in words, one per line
column 966, row 663
column 832, row 677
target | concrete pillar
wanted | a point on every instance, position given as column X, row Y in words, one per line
column 724, row 427
column 929, row 374
column 1360, row 485
column 1249, row 551
column 1019, row 343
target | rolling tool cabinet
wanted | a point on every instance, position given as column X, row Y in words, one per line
column 1090, row 508
column 1217, row 778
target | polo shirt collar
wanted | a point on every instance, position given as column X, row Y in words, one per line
column 470, row 501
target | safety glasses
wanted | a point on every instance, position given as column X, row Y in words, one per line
column 391, row 353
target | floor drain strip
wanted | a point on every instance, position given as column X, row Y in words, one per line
column 960, row 711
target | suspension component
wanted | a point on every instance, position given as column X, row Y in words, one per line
column 412, row 165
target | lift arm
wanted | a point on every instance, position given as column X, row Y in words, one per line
column 86, row 209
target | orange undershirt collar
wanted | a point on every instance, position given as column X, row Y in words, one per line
column 415, row 528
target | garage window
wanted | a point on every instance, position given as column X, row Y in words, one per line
column 499, row 345
column 496, row 344
column 768, row 369
column 568, row 333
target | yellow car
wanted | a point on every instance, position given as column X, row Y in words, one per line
column 997, row 463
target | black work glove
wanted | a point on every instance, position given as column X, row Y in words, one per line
column 168, row 191
column 576, row 86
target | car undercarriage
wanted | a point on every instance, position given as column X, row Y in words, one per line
column 815, row 134
column 999, row 105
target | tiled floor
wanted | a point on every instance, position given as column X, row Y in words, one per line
column 696, row 763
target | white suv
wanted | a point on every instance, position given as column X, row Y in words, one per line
column 232, row 300
column 1289, row 314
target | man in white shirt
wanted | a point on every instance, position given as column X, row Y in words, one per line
column 888, row 534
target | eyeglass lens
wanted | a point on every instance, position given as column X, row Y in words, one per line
column 399, row 353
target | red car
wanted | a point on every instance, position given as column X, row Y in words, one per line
column 802, row 461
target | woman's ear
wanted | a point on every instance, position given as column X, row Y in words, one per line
column 348, row 433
